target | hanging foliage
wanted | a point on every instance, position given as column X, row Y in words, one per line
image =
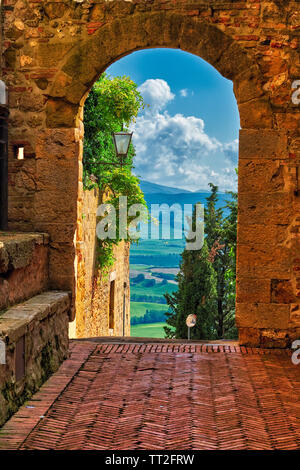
column 112, row 105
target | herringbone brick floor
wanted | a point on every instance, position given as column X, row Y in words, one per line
column 163, row 396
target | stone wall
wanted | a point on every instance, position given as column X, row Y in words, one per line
column 34, row 333
column 23, row 266
column 93, row 288
column 40, row 325
column 53, row 53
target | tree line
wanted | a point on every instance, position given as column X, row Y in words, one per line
column 150, row 316
column 157, row 299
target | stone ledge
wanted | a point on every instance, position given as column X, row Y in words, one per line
column 23, row 266
column 16, row 249
column 15, row 322
column 40, row 326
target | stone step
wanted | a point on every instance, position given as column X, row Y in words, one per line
column 33, row 343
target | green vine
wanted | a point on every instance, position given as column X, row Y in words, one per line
column 112, row 105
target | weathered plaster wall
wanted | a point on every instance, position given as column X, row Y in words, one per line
column 93, row 288
column 54, row 51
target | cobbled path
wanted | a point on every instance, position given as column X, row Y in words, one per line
column 163, row 396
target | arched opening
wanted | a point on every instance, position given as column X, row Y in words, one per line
column 191, row 106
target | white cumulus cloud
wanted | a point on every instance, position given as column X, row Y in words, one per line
column 156, row 93
column 231, row 150
column 183, row 93
column 175, row 150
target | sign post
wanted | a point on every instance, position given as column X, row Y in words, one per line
column 190, row 322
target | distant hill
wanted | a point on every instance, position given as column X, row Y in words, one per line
column 203, row 191
column 184, row 198
column 153, row 188
column 159, row 194
column 207, row 191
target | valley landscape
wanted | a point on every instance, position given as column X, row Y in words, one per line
column 154, row 264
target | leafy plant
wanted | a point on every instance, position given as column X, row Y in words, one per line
column 112, row 105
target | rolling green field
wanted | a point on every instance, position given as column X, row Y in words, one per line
column 157, row 247
column 157, row 289
column 159, row 253
column 163, row 261
column 156, row 258
column 138, row 309
column 148, row 330
column 140, row 267
column 151, row 255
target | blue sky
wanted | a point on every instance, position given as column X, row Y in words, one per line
column 189, row 134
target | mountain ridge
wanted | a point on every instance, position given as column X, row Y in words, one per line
column 153, row 188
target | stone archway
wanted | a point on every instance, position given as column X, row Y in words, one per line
column 83, row 63
column 58, row 75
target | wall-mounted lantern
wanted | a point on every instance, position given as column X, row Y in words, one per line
column 122, row 142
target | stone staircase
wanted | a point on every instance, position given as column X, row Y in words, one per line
column 33, row 319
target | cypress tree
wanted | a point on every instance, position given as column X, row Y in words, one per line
column 206, row 280
column 196, row 295
column 221, row 238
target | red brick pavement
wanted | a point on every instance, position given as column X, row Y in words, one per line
column 163, row 396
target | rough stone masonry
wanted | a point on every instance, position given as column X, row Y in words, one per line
column 53, row 51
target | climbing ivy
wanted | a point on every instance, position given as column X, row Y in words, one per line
column 112, row 105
